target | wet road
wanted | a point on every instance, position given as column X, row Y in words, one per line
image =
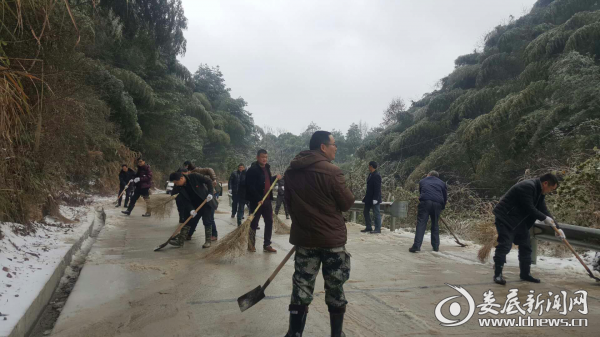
column 126, row 289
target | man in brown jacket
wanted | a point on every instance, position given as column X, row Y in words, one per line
column 316, row 195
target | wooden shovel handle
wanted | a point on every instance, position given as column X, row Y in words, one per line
column 124, row 189
column 265, row 197
column 285, row 259
column 186, row 221
column 574, row 253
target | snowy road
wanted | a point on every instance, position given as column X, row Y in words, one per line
column 126, row 289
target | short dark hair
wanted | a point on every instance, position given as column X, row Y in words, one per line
column 140, row 158
column 175, row 176
column 261, row 151
column 550, row 178
column 124, row 165
column 318, row 138
column 241, row 165
column 187, row 162
column 373, row 164
column 434, row 174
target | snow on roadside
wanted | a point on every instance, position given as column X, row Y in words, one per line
column 27, row 262
column 468, row 255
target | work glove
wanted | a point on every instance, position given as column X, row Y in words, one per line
column 561, row 235
column 193, row 213
column 283, row 188
column 131, row 181
column 230, row 192
column 137, row 180
column 209, row 197
column 549, row 221
column 375, row 202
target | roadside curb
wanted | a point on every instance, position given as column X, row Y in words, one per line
column 29, row 319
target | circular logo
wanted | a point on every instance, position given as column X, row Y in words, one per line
column 455, row 307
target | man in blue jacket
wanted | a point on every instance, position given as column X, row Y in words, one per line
column 372, row 200
column 431, row 203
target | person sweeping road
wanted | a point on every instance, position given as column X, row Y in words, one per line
column 316, row 194
column 515, row 214
column 258, row 183
column 125, row 176
column 143, row 182
column 432, row 200
column 192, row 190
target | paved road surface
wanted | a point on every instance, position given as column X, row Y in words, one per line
column 126, row 289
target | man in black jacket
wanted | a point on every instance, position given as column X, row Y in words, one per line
column 192, row 190
column 234, row 185
column 372, row 200
column 281, row 199
column 432, row 200
column 258, row 182
column 124, row 177
column 515, row 213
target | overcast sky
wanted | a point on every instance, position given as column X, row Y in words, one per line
column 335, row 62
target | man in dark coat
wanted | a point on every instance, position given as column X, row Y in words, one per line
column 316, row 194
column 192, row 190
column 281, row 198
column 124, row 177
column 372, row 200
column 431, row 203
column 234, row 185
column 515, row 213
column 143, row 183
column 258, row 183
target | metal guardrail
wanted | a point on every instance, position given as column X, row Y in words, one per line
column 581, row 237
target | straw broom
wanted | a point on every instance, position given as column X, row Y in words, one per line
column 161, row 205
column 280, row 226
column 235, row 243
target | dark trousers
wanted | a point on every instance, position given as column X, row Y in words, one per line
column 143, row 192
column 127, row 195
column 208, row 219
column 240, row 210
column 506, row 237
column 428, row 209
column 280, row 200
column 235, row 198
column 376, row 217
column 266, row 211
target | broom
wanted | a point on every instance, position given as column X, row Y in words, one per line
column 235, row 243
column 161, row 205
column 280, row 226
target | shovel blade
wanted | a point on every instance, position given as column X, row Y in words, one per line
column 251, row 298
column 161, row 246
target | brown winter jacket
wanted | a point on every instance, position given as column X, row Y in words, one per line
column 207, row 172
column 316, row 195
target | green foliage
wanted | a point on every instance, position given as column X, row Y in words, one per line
column 464, row 77
column 577, row 198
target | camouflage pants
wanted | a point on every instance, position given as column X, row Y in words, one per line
column 336, row 271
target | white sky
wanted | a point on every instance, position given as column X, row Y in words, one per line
column 335, row 62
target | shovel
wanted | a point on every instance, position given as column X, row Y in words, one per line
column 251, row 298
column 179, row 228
column 577, row 256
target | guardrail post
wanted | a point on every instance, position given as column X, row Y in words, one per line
column 393, row 225
column 534, row 245
column 354, row 216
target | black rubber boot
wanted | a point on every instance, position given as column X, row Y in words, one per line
column 336, row 319
column 526, row 273
column 414, row 249
column 127, row 212
column 297, row 320
column 498, row 274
